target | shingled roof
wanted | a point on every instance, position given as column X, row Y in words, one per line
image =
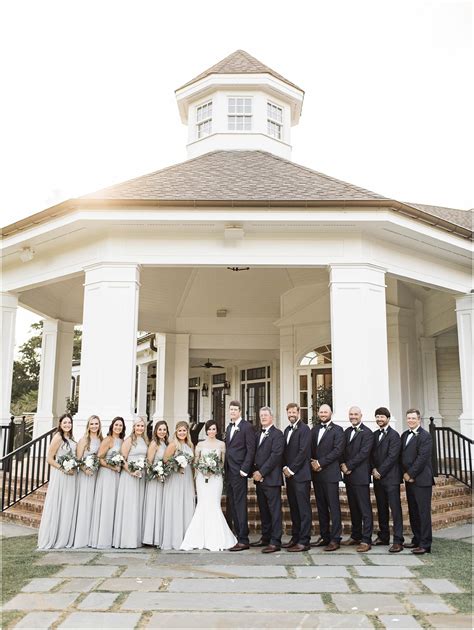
column 236, row 176
column 464, row 218
column 239, row 62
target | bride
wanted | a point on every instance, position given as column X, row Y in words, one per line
column 208, row 528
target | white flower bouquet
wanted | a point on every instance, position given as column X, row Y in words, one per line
column 137, row 465
column 115, row 459
column 90, row 463
column 180, row 461
column 158, row 471
column 68, row 462
column 209, row 464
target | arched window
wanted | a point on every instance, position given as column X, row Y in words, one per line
column 319, row 356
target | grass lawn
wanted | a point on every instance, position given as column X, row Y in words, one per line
column 18, row 568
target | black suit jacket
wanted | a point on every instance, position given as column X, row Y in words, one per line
column 416, row 457
column 297, row 453
column 357, row 455
column 269, row 457
column 385, row 457
column 328, row 452
column 240, row 451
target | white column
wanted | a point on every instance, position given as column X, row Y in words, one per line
column 109, row 343
column 172, row 378
column 465, row 321
column 55, row 373
column 287, row 371
column 9, row 304
column 142, row 386
column 430, row 381
column 359, row 340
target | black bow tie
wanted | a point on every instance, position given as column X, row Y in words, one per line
column 264, row 430
column 413, row 432
column 382, row 431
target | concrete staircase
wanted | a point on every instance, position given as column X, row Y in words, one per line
column 452, row 504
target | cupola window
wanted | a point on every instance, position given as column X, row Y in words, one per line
column 239, row 114
column 204, row 119
column 274, row 121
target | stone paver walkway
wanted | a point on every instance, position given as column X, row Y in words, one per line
column 152, row 589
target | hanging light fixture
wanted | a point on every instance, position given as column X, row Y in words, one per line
column 226, row 388
column 205, row 390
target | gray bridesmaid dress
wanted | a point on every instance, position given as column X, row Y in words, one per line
column 56, row 528
column 84, row 500
column 128, row 523
column 103, row 510
column 178, row 505
column 153, row 508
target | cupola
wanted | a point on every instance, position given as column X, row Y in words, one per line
column 239, row 104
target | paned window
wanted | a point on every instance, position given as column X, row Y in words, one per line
column 239, row 114
column 274, row 121
column 204, row 119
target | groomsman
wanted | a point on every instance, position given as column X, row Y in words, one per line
column 387, row 476
column 269, row 480
column 418, row 477
column 327, row 446
column 240, row 451
column 297, row 471
column 356, row 469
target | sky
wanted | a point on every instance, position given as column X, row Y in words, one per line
column 88, row 91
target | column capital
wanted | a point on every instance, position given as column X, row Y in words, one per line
column 465, row 302
column 8, row 300
column 357, row 273
column 112, row 272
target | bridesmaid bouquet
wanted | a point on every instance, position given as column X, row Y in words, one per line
column 68, row 462
column 91, row 462
column 180, row 461
column 209, row 464
column 115, row 459
column 137, row 465
column 159, row 471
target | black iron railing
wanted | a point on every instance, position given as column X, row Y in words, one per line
column 16, row 433
column 451, row 454
column 24, row 470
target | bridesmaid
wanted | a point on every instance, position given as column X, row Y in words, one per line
column 56, row 528
column 128, row 523
column 86, row 480
column 153, row 510
column 178, row 493
column 105, row 496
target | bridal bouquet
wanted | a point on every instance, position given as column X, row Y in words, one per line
column 180, row 461
column 137, row 465
column 90, row 462
column 68, row 462
column 209, row 464
column 115, row 459
column 159, row 471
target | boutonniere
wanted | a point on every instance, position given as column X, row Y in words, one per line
column 359, row 430
column 237, row 429
column 265, row 435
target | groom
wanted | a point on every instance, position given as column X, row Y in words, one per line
column 240, row 451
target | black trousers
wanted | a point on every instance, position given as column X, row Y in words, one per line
column 329, row 509
column 269, row 504
column 419, row 511
column 299, row 499
column 361, row 512
column 389, row 497
column 237, row 497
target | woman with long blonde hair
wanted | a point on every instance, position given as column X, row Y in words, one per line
column 153, row 508
column 128, row 522
column 87, row 450
column 178, row 493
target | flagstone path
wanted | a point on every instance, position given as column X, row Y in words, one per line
column 151, row 589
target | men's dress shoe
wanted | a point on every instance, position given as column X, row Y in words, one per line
column 410, row 545
column 378, row 541
column 419, row 551
column 395, row 548
column 290, row 543
column 259, row 543
column 239, row 547
column 333, row 546
column 364, row 547
column 270, row 549
column 319, row 543
column 350, row 542
column 299, row 547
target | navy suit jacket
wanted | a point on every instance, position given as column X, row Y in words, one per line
column 385, row 457
column 269, row 457
column 416, row 457
column 240, row 451
column 297, row 453
column 328, row 452
column 357, row 455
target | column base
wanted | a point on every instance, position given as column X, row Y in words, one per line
column 466, row 425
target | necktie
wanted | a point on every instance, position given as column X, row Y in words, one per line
column 322, row 429
column 290, row 433
column 382, row 433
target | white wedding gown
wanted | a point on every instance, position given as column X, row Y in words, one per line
column 208, row 528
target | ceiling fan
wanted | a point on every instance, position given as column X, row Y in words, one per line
column 208, row 365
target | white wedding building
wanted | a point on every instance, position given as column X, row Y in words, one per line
column 241, row 274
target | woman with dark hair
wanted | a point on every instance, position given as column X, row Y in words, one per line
column 105, row 497
column 87, row 449
column 208, row 528
column 56, row 528
column 153, row 508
